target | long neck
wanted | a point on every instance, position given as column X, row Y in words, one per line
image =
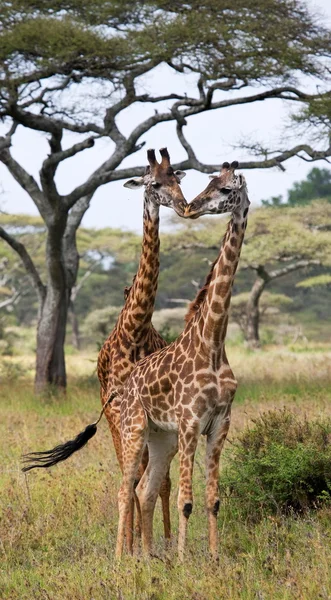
column 215, row 310
column 138, row 310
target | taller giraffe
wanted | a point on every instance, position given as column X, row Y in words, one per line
column 187, row 388
column 134, row 336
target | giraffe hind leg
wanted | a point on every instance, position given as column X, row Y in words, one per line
column 215, row 443
column 162, row 447
column 134, row 427
column 188, row 440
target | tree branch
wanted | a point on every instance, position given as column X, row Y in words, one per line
column 41, row 122
column 25, row 180
column 268, row 276
column 12, row 300
column 75, row 149
column 76, row 289
column 27, row 262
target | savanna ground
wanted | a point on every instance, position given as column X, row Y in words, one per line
column 58, row 527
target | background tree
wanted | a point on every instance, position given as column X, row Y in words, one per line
column 316, row 185
column 315, row 287
column 278, row 242
column 271, row 303
column 98, row 250
column 52, row 56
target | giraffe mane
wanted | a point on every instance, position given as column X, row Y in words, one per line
column 202, row 293
column 198, row 300
column 128, row 288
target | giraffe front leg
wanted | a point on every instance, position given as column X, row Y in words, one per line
column 187, row 443
column 215, row 443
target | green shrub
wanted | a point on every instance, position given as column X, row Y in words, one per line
column 282, row 464
column 11, row 371
column 99, row 323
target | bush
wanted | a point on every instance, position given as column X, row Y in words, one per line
column 282, row 464
column 99, row 323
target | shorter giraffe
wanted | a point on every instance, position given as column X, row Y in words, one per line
column 187, row 388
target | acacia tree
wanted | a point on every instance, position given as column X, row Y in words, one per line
column 282, row 241
column 316, row 185
column 97, row 249
column 54, row 54
column 278, row 241
column 270, row 303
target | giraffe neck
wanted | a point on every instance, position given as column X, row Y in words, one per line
column 138, row 309
column 215, row 310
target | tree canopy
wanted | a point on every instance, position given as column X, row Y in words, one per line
column 53, row 54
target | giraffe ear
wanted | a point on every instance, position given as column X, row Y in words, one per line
column 134, row 184
column 180, row 175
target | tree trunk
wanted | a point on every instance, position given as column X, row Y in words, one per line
column 252, row 336
column 51, row 330
column 50, row 360
column 75, row 337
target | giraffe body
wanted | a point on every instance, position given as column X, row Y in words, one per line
column 186, row 389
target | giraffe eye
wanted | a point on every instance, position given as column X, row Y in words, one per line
column 225, row 190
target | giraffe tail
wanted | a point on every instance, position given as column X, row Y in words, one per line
column 48, row 458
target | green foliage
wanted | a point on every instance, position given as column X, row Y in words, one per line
column 281, row 464
column 99, row 323
column 316, row 185
column 106, row 38
column 271, row 237
column 268, row 300
column 11, row 371
column 273, row 201
column 317, row 281
column 317, row 112
column 169, row 322
column 168, row 334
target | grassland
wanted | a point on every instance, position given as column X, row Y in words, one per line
column 58, row 527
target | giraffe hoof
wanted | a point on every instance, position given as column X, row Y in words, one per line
column 187, row 509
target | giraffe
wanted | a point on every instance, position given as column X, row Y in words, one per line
column 187, row 388
column 134, row 336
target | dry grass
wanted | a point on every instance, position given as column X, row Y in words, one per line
column 58, row 528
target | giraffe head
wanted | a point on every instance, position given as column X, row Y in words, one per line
column 162, row 183
column 226, row 192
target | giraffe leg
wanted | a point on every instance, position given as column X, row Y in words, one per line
column 134, row 437
column 188, row 439
column 162, row 447
column 114, row 422
column 165, row 499
column 215, row 442
column 142, row 469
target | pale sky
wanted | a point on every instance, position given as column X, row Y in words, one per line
column 212, row 135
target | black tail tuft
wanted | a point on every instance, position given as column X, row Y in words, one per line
column 35, row 460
